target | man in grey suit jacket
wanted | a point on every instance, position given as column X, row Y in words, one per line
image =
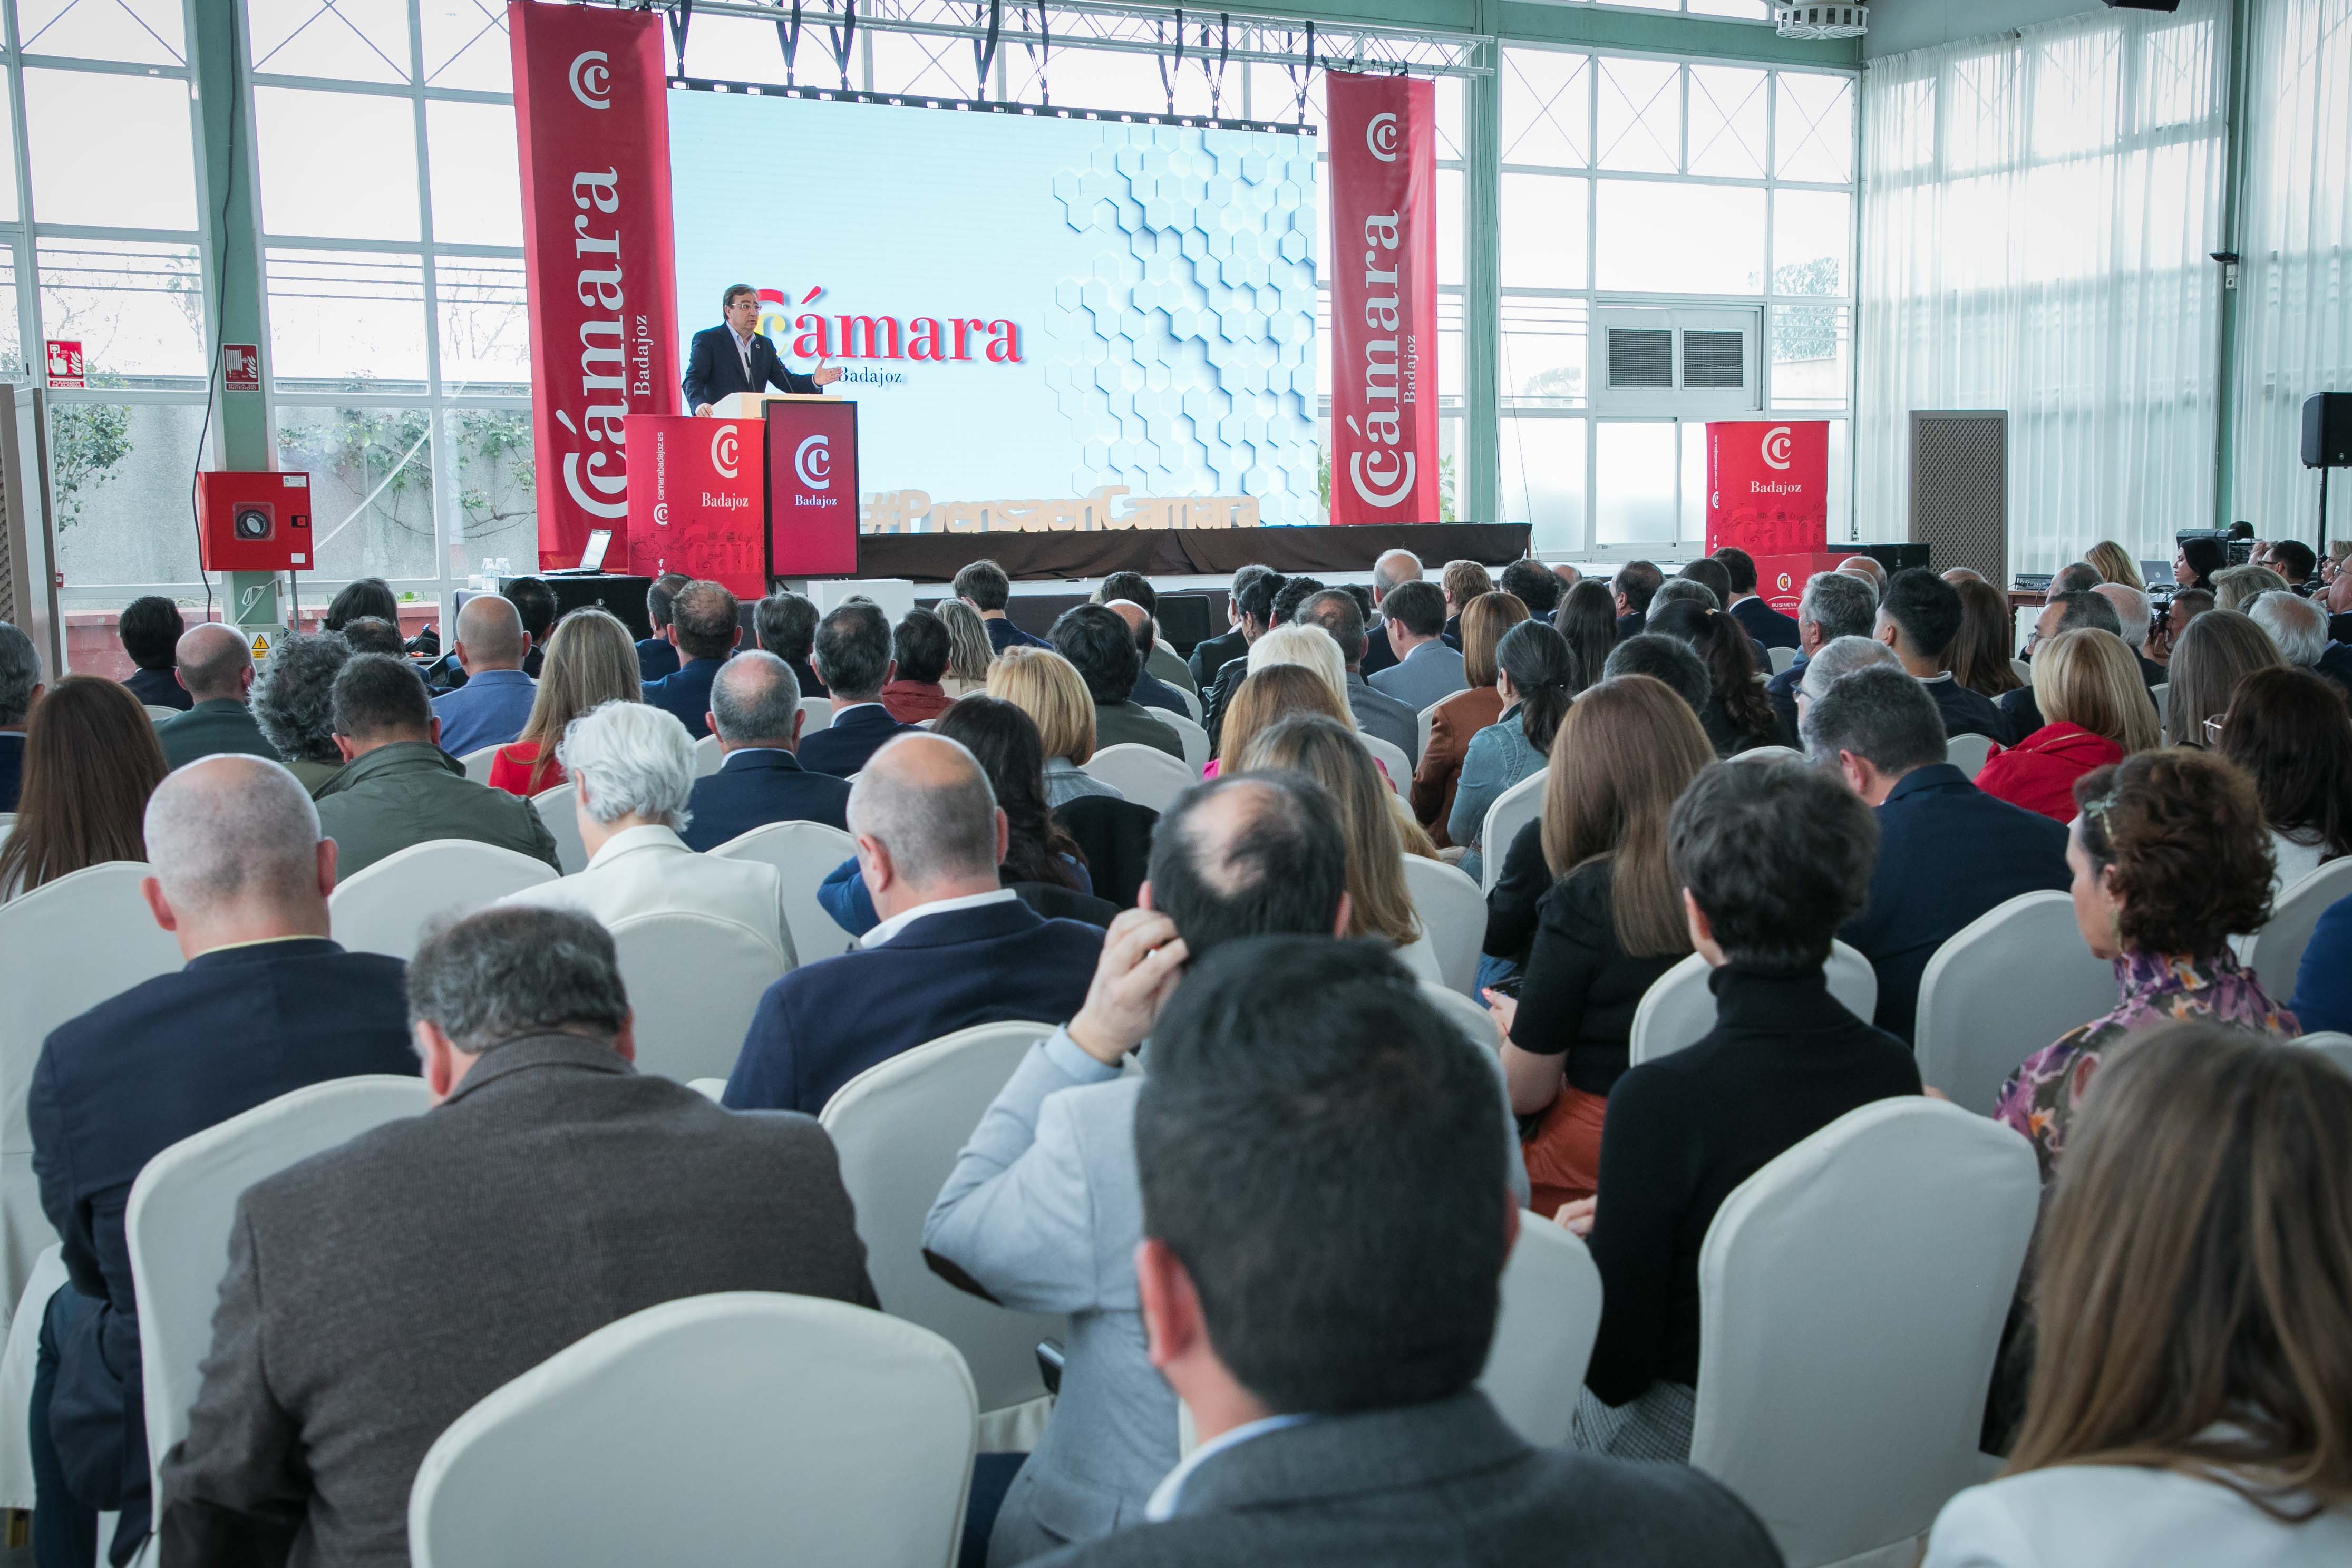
column 1313, row 1138
column 1376, row 713
column 376, row 1292
column 1426, row 670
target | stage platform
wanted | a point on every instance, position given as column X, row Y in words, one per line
column 1185, row 552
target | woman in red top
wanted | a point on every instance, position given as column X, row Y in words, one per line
column 2096, row 710
column 589, row 660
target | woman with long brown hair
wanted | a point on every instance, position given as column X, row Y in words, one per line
column 1610, row 924
column 1268, row 695
column 1453, row 721
column 2215, row 653
column 2191, row 1398
column 1982, row 654
column 1378, row 902
column 1738, row 717
column 2291, row 733
column 589, row 660
column 90, row 761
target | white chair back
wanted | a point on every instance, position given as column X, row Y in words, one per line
column 1188, row 731
column 1477, row 1024
column 1679, row 1008
column 706, row 756
column 723, row 1430
column 1453, row 917
column 185, row 1202
column 1783, row 659
column 2333, row 1044
column 2162, row 693
column 804, row 854
column 386, row 908
column 1423, row 723
column 157, row 713
column 1191, row 702
column 1851, row 1300
column 1999, row 989
column 1767, row 753
column 1513, row 808
column 816, row 712
column 1395, row 766
column 556, row 808
column 65, row 947
column 1543, row 1335
column 2022, row 670
column 1968, row 752
column 2275, row 952
column 898, row 1126
column 694, row 981
column 1144, row 774
column 19, row 1368
column 478, row 763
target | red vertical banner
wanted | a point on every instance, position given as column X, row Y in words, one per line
column 593, row 133
column 697, row 501
column 1383, row 271
column 1768, row 486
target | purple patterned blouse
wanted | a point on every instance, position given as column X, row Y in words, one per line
column 2043, row 1097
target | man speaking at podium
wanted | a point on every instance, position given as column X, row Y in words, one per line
column 736, row 357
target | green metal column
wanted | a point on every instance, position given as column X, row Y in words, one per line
column 2225, row 390
column 1479, row 494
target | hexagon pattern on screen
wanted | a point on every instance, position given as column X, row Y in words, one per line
column 1185, row 360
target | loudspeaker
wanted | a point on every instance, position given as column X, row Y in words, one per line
column 2144, row 4
column 1959, row 488
column 2327, row 430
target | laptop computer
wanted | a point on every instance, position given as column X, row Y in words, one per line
column 592, row 559
column 2156, row 573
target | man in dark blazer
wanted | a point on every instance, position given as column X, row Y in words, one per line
column 375, row 1292
column 1392, row 567
column 755, row 711
column 1764, row 623
column 1211, row 653
column 853, row 659
column 1947, row 852
column 1297, row 1064
column 785, row 624
column 736, row 357
column 704, row 626
column 657, row 654
column 217, row 668
column 1099, row 645
column 267, row 1005
column 149, row 628
column 1919, row 618
column 983, row 585
column 1149, row 690
column 954, row 948
column 20, row 688
column 1635, row 584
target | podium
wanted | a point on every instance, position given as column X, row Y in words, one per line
column 765, row 488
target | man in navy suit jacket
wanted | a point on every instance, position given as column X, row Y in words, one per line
column 267, row 1005
column 703, row 622
column 657, row 654
column 755, row 711
column 1947, row 852
column 954, row 946
column 736, row 357
column 985, row 586
column 853, row 659
column 1764, row 623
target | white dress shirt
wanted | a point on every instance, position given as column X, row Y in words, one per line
column 2122, row 1516
column 1169, row 1492
column 649, row 870
column 905, row 917
column 742, row 350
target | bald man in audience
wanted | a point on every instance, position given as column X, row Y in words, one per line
column 1392, row 567
column 755, row 712
column 217, row 668
column 1867, row 565
column 267, row 1004
column 955, row 946
column 492, row 707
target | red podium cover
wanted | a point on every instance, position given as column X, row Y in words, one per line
column 697, row 500
column 1768, row 494
column 812, row 510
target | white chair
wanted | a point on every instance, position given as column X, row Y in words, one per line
column 157, row 713
column 1783, row 659
column 1851, row 1300
column 1395, row 766
column 1768, row 754
column 1192, row 700
column 722, row 1431
column 2162, row 693
column 1423, row 721
column 2022, row 670
column 182, row 1209
column 1968, row 752
column 706, row 756
column 385, row 908
column 65, row 947
column 1453, row 916
column 711, row 1089
column 816, row 712
column 2333, row 1044
column 1144, row 774
column 694, row 981
column 1999, row 989
column 555, row 808
column 2275, row 952
column 1513, row 808
column 478, row 763
column 18, row 1365
column 804, row 854
column 1543, row 1335
column 897, row 1128
column 1467, row 1014
column 1195, row 738
column 1679, row 1008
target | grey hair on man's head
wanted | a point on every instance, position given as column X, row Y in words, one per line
column 2080, row 578
column 2133, row 612
column 1879, row 714
column 294, row 694
column 20, row 671
column 755, row 697
column 927, row 800
column 631, row 760
column 1843, row 656
column 2298, row 626
column 509, row 973
column 1688, row 588
column 232, row 829
column 1840, row 605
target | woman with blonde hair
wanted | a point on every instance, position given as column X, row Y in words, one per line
column 2114, row 563
column 1438, row 774
column 2213, row 653
column 1378, row 902
column 1309, row 647
column 1611, row 924
column 1268, row 696
column 591, row 660
column 969, row 655
column 1984, row 652
column 2191, row 1396
column 2095, row 711
column 1049, row 689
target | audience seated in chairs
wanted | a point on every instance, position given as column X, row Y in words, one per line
column 1256, row 614
column 1314, row 1136
column 552, row 1185
column 149, row 628
column 2170, row 859
column 1532, row 584
column 492, row 707
column 1160, row 661
column 1374, row 711
column 955, row 947
column 1437, row 774
column 362, row 599
column 755, row 712
column 985, row 586
column 1379, row 901
column 2239, row 586
column 589, row 663
column 397, row 788
column 2188, row 604
column 853, row 659
column 1606, row 930
column 2134, row 614
column 1150, row 690
column 1633, row 586
column 704, row 624
column 1738, row 716
column 2080, row 610
column 1920, row 619
column 2208, row 1173
column 293, row 701
column 2218, row 649
column 1537, row 677
column 1666, row 659
column 1427, row 671
column 657, row 654
column 1947, row 852
column 2299, row 628
column 2290, row 732
column 534, row 603
column 632, row 774
column 785, row 624
column 374, row 634
column 2095, row 711
column 1773, row 858
column 268, row 1004
column 1756, row 617
column 1101, row 648
column 1211, row 654
column 1045, row 685
column 20, row 689
column 1588, row 621
column 919, row 649
column 969, row 654
column 90, row 763
column 1390, row 569
column 1984, row 653
column 1833, row 605
column 1834, row 662
column 217, row 668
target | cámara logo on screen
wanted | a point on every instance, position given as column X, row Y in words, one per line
column 933, row 339
column 724, row 451
column 814, row 462
column 592, row 79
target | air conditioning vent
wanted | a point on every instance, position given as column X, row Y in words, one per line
column 1640, row 357
column 1714, row 360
